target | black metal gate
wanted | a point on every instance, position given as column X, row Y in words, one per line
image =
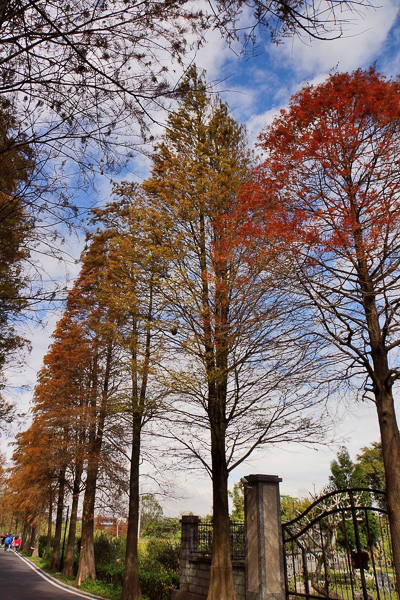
column 340, row 548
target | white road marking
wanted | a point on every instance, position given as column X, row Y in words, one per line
column 43, row 576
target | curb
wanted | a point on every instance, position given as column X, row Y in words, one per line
column 59, row 583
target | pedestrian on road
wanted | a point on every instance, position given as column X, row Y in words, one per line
column 16, row 543
column 7, row 542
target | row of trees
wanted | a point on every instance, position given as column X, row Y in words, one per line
column 169, row 334
column 223, row 298
column 80, row 86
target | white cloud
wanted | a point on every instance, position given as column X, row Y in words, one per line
column 258, row 122
column 360, row 44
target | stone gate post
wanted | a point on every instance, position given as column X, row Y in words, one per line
column 265, row 578
column 190, row 525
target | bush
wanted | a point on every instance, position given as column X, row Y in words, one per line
column 166, row 528
column 159, row 562
column 156, row 585
column 161, row 555
column 107, row 549
column 42, row 544
column 111, row 572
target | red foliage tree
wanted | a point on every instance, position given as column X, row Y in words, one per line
column 327, row 197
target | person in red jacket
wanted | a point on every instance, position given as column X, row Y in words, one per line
column 16, row 543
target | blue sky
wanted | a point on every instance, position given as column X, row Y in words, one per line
column 256, row 88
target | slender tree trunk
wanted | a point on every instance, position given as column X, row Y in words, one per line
column 25, row 546
column 49, row 525
column 87, row 567
column 221, row 578
column 35, row 541
column 131, row 586
column 382, row 382
column 222, row 585
column 55, row 558
column 68, row 570
column 390, row 438
column 32, row 540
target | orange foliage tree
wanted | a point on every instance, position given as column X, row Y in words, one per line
column 327, row 198
column 49, row 456
column 60, row 407
column 31, row 477
column 130, row 239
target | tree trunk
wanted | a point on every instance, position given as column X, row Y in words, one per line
column 68, row 570
column 86, row 566
column 381, row 377
column 131, row 586
column 25, row 546
column 55, row 558
column 216, row 355
column 49, row 526
column 221, row 578
column 32, row 539
column 391, row 459
column 35, row 541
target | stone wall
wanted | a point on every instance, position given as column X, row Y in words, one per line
column 261, row 575
column 195, row 579
column 195, row 570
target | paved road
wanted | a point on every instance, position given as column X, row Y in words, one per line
column 18, row 581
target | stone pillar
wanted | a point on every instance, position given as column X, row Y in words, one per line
column 190, row 525
column 265, row 579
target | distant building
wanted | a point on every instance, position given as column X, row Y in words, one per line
column 112, row 525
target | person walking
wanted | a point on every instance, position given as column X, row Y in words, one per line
column 16, row 544
column 7, row 542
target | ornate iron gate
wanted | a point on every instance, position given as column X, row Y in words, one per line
column 340, row 548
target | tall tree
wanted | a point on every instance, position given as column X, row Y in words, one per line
column 86, row 80
column 90, row 310
column 131, row 235
column 228, row 332
column 60, row 400
column 329, row 191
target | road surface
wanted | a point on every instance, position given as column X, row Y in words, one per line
column 20, row 581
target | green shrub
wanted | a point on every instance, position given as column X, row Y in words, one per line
column 107, row 549
column 159, row 561
column 157, row 585
column 101, row 588
column 42, row 544
column 161, row 555
column 166, row 528
column 111, row 572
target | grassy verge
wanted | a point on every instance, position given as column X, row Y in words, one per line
column 97, row 588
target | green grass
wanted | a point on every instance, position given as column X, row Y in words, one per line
column 97, row 588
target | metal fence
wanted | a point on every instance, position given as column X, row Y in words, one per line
column 203, row 540
column 340, row 548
